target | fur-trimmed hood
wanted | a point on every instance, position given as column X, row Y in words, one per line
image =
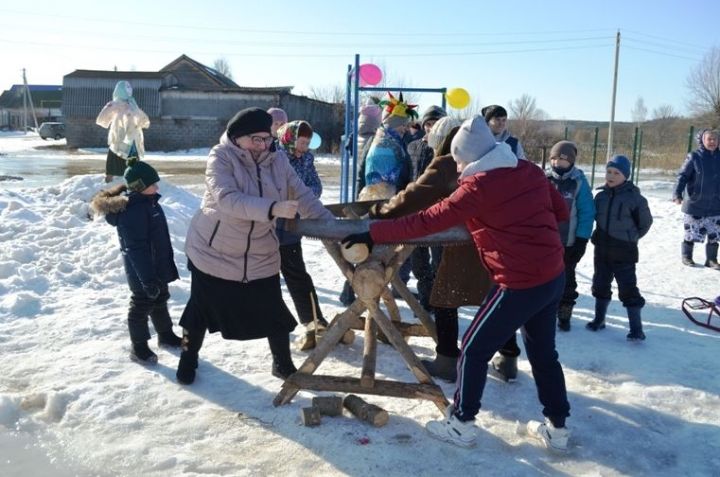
column 110, row 201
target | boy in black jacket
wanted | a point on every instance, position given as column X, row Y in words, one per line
column 622, row 218
column 147, row 255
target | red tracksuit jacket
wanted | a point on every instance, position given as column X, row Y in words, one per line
column 512, row 214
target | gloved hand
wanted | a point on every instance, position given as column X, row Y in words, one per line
column 576, row 252
column 353, row 239
column 285, row 209
column 152, row 290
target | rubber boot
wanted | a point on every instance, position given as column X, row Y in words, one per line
column 711, row 255
column 687, row 253
column 192, row 341
column 282, row 364
column 443, row 367
column 636, row 332
column 564, row 314
column 141, row 353
column 601, row 306
column 505, row 367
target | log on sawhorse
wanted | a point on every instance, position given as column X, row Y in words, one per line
column 370, row 281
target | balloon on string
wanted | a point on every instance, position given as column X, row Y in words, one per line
column 315, row 141
column 370, row 74
column 458, row 98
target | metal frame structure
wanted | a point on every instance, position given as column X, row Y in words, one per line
column 348, row 164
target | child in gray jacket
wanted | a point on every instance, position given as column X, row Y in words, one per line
column 622, row 218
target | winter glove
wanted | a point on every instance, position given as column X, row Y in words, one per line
column 152, row 290
column 353, row 239
column 576, row 252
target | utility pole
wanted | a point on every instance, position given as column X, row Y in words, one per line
column 614, row 94
column 28, row 99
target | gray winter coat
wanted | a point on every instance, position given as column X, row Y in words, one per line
column 622, row 218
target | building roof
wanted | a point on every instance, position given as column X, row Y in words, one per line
column 115, row 74
column 191, row 74
column 183, row 74
column 13, row 97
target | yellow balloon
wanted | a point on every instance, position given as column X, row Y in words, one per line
column 458, row 98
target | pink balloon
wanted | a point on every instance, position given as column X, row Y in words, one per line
column 370, row 74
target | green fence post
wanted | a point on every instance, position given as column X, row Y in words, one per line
column 690, row 139
column 634, row 152
column 595, row 142
column 566, row 133
column 639, row 153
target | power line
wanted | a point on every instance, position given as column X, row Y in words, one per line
column 663, row 45
column 669, row 40
column 295, row 55
column 301, row 32
column 324, row 44
column 660, row 52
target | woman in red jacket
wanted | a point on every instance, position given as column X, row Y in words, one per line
column 511, row 211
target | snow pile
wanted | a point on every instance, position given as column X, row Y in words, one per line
column 69, row 387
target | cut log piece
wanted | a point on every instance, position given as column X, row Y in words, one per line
column 310, row 416
column 365, row 411
column 328, row 405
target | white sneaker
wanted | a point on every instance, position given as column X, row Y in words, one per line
column 554, row 438
column 453, row 430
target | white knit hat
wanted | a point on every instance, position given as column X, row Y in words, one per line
column 472, row 141
column 440, row 131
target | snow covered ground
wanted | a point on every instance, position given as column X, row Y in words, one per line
column 72, row 403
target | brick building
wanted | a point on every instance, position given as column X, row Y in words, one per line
column 188, row 103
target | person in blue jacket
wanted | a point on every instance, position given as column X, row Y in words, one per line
column 700, row 177
column 574, row 188
column 147, row 254
column 294, row 139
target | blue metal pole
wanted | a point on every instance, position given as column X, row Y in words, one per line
column 345, row 162
column 356, row 110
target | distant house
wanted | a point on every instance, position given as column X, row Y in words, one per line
column 46, row 99
column 189, row 105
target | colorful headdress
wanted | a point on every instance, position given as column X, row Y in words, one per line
column 398, row 107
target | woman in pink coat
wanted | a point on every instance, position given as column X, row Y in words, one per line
column 232, row 247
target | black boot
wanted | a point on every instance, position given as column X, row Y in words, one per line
column 711, row 255
column 601, row 306
column 505, row 367
column 192, row 341
column 169, row 338
column 564, row 314
column 636, row 332
column 687, row 252
column 282, row 364
column 443, row 367
column 141, row 353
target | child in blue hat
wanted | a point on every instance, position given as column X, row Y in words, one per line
column 622, row 218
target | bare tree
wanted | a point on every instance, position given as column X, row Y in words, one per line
column 222, row 66
column 664, row 111
column 639, row 111
column 526, row 118
column 328, row 93
column 703, row 83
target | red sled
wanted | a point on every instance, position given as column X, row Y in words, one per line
column 698, row 306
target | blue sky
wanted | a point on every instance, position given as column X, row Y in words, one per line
column 559, row 52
